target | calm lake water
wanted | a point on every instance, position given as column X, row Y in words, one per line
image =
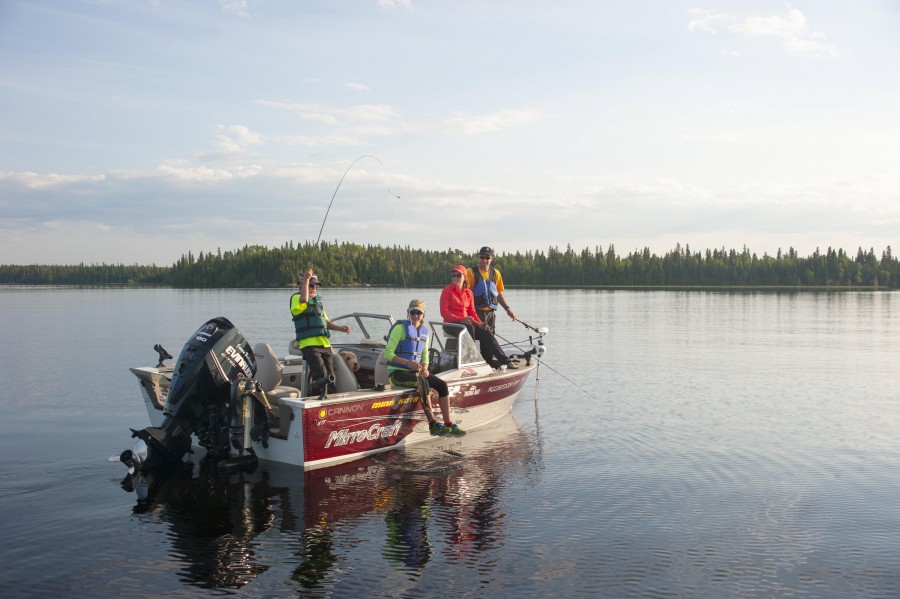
column 677, row 444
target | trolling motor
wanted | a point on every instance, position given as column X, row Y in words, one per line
column 198, row 401
column 526, row 356
column 539, row 348
column 537, row 345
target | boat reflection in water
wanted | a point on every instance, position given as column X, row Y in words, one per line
column 443, row 496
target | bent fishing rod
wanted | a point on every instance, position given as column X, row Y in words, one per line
column 334, row 195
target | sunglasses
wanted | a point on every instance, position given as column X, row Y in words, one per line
column 415, row 312
column 456, row 275
column 485, row 257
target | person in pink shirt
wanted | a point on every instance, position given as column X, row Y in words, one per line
column 458, row 306
column 457, row 301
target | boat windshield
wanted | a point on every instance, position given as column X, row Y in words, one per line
column 454, row 341
column 365, row 329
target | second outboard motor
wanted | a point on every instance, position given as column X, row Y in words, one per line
column 198, row 398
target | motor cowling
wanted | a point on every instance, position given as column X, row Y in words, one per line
column 198, row 397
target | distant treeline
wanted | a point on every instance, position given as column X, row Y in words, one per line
column 347, row 264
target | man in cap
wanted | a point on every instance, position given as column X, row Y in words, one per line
column 486, row 284
column 312, row 332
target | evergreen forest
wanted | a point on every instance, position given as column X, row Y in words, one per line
column 350, row 264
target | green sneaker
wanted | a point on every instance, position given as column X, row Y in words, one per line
column 436, row 428
column 454, row 431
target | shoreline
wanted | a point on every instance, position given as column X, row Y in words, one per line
column 780, row 288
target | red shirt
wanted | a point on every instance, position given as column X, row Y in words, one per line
column 457, row 303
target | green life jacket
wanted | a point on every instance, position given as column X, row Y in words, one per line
column 311, row 322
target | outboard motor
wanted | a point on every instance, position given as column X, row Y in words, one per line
column 198, row 399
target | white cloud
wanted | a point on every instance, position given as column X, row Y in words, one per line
column 333, row 115
column 706, row 20
column 381, row 119
column 322, row 141
column 395, row 4
column 237, row 138
column 193, row 174
column 625, row 211
column 33, row 180
column 791, row 28
column 489, row 123
column 237, row 7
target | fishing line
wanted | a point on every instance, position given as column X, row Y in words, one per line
column 543, row 363
column 402, row 268
column 399, row 251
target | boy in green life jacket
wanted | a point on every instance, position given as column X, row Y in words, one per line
column 313, row 330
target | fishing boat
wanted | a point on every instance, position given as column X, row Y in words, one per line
column 243, row 403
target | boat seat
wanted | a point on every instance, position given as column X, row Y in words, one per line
column 268, row 372
column 344, row 380
column 381, row 372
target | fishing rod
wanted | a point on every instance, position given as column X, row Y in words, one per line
column 424, row 390
column 338, row 187
column 539, row 331
column 335, row 195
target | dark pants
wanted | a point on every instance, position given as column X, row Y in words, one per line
column 319, row 360
column 407, row 378
column 490, row 348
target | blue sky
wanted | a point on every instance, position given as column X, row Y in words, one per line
column 138, row 130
